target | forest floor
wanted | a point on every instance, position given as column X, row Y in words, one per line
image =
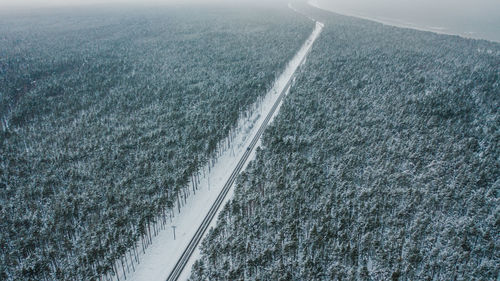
column 159, row 258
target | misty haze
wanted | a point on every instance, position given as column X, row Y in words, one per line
column 249, row 140
column 474, row 19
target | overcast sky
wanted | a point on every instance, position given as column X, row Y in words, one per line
column 38, row 3
column 455, row 6
column 474, row 16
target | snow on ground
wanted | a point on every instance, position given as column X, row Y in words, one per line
column 160, row 257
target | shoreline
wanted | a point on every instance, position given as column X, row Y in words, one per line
column 401, row 23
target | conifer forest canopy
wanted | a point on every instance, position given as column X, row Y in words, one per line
column 106, row 114
column 382, row 163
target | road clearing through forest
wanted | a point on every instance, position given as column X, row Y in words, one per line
column 180, row 266
column 170, row 258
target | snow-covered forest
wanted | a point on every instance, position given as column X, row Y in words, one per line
column 383, row 164
column 106, row 115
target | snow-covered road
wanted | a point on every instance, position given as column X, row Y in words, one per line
column 160, row 258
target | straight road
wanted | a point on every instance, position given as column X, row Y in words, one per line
column 195, row 240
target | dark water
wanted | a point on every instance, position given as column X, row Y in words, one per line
column 470, row 18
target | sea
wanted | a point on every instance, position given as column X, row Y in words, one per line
column 478, row 19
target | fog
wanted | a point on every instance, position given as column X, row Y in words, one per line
column 472, row 18
column 58, row 3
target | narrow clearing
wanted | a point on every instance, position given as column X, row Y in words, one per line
column 160, row 258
